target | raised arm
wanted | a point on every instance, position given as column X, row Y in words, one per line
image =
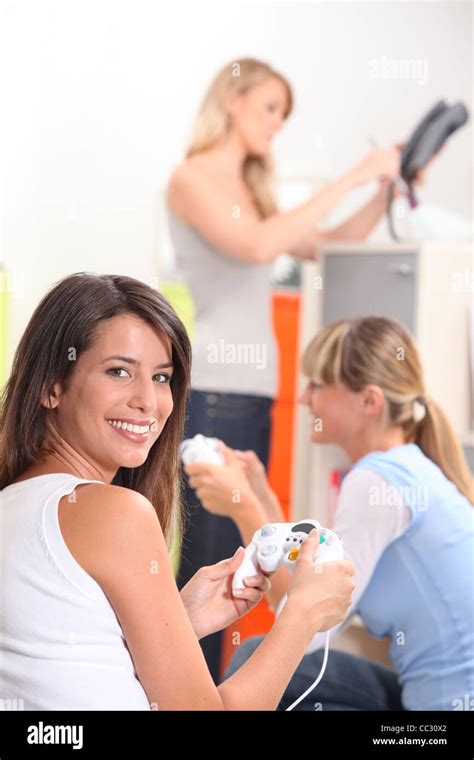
column 357, row 227
column 203, row 203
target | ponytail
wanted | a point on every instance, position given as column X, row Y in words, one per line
column 436, row 438
column 380, row 350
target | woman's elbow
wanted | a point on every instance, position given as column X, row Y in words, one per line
column 261, row 253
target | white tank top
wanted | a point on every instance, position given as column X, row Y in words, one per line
column 61, row 645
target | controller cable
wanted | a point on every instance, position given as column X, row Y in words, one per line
column 321, row 673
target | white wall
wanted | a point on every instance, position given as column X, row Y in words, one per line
column 98, row 97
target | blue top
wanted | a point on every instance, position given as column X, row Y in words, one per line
column 421, row 593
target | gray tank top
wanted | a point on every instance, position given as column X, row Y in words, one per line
column 234, row 347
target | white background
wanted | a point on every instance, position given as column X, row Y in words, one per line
column 98, row 98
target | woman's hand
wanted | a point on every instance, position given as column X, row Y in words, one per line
column 257, row 478
column 418, row 180
column 380, row 163
column 210, row 601
column 220, row 488
column 322, row 593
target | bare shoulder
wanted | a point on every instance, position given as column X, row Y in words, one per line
column 187, row 171
column 104, row 521
column 204, row 199
column 187, row 183
column 104, row 503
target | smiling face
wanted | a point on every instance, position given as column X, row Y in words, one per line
column 114, row 409
column 258, row 114
column 339, row 415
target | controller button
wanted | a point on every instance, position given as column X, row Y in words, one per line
column 293, row 554
column 267, row 550
column 268, row 530
column 322, row 539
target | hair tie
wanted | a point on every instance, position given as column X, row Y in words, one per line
column 418, row 409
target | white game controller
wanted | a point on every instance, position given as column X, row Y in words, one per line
column 201, row 449
column 275, row 544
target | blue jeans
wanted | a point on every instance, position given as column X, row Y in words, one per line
column 349, row 682
column 242, row 422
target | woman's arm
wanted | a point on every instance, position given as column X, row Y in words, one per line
column 356, row 228
column 245, row 689
column 361, row 224
column 203, row 203
column 134, row 570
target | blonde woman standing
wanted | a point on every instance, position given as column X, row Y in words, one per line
column 226, row 230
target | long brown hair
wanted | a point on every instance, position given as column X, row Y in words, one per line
column 68, row 316
column 378, row 350
column 212, row 124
